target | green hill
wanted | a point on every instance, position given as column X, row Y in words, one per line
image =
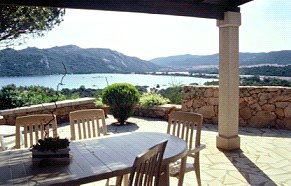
column 34, row 61
column 246, row 59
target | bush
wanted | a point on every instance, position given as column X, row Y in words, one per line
column 174, row 94
column 98, row 102
column 208, row 83
column 150, row 99
column 12, row 96
column 122, row 98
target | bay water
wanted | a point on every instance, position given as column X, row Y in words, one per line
column 100, row 81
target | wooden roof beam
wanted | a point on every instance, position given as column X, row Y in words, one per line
column 202, row 10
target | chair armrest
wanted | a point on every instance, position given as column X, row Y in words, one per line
column 109, row 133
column 196, row 149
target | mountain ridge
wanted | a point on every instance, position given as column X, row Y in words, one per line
column 282, row 57
column 76, row 60
column 35, row 61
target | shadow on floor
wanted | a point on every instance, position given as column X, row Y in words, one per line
column 117, row 128
column 248, row 169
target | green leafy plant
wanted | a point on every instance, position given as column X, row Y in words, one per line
column 150, row 99
column 51, row 144
column 173, row 93
column 122, row 98
column 99, row 103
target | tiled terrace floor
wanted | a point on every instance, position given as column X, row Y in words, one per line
column 264, row 158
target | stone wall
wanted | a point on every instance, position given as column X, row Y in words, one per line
column 258, row 106
column 8, row 117
column 61, row 111
column 160, row 111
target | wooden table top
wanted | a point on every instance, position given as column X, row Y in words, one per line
column 92, row 160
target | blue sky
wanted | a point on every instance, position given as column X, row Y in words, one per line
column 266, row 26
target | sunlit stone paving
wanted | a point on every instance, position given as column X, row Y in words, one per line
column 264, row 157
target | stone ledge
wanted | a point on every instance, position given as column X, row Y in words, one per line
column 158, row 111
column 47, row 106
column 62, row 111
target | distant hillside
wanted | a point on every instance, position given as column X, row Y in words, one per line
column 34, row 61
column 246, row 59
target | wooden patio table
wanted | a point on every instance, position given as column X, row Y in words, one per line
column 92, row 160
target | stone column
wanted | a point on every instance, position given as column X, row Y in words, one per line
column 228, row 115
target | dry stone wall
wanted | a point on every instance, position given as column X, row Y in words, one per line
column 62, row 110
column 159, row 111
column 258, row 106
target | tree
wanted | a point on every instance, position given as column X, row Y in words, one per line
column 17, row 23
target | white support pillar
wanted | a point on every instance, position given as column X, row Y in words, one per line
column 228, row 116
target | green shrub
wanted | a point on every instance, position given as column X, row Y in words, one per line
column 99, row 102
column 12, row 96
column 211, row 83
column 122, row 98
column 174, row 94
column 150, row 99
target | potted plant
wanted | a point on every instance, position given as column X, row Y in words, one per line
column 122, row 98
column 51, row 148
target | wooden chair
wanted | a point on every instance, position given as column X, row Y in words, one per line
column 38, row 126
column 87, row 123
column 146, row 167
column 7, row 131
column 187, row 126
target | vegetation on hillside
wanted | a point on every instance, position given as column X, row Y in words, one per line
column 284, row 71
column 204, row 71
column 12, row 96
column 257, row 81
column 183, row 62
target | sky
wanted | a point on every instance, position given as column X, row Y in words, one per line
column 266, row 26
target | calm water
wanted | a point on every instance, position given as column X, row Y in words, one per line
column 100, row 80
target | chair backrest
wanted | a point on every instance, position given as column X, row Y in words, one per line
column 146, row 167
column 184, row 124
column 35, row 127
column 87, row 123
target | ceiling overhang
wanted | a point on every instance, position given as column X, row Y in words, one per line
column 213, row 9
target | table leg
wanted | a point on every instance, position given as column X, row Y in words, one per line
column 182, row 171
column 2, row 143
column 164, row 177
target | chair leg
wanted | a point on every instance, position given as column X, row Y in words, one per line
column 125, row 179
column 21, row 139
column 197, row 169
column 107, row 182
column 118, row 180
column 182, row 171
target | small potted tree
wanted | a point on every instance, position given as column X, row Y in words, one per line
column 122, row 98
